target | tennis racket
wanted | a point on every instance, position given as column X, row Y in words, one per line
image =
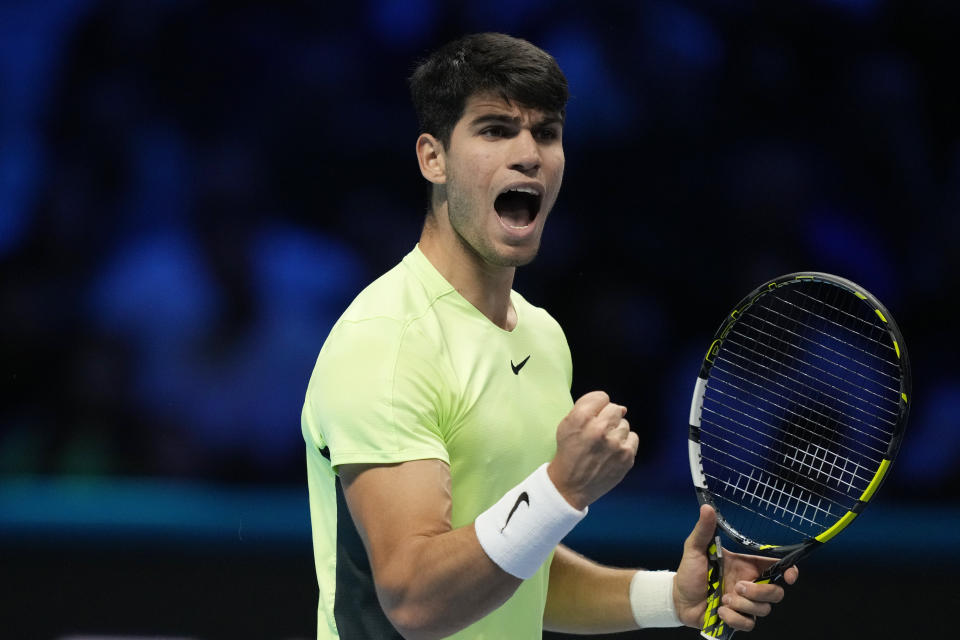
column 796, row 417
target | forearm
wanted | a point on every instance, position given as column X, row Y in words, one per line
column 436, row 585
column 586, row 597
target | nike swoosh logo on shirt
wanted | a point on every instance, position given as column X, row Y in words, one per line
column 516, row 367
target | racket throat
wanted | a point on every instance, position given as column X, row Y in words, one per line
column 774, row 573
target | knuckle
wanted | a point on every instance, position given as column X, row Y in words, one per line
column 593, row 401
column 614, row 447
column 595, row 434
column 609, row 413
column 580, row 415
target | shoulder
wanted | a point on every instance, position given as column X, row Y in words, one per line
column 389, row 317
column 397, row 296
column 374, row 392
column 392, row 302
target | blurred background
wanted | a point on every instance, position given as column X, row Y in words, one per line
column 192, row 192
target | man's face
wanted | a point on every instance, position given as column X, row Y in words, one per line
column 504, row 166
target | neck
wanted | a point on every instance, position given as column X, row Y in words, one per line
column 485, row 286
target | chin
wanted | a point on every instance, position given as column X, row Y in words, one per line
column 517, row 256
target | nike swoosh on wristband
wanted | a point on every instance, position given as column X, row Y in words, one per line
column 523, row 497
column 516, row 367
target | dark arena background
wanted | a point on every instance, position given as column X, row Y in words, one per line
column 191, row 193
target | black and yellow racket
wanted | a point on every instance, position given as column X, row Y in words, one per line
column 797, row 414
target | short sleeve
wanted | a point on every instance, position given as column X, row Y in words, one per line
column 375, row 395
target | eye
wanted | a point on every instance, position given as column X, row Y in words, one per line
column 495, row 131
column 548, row 134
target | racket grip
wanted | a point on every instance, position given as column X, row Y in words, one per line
column 713, row 626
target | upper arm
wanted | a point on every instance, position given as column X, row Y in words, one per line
column 394, row 505
column 431, row 580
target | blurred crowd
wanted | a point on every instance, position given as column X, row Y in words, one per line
column 191, row 193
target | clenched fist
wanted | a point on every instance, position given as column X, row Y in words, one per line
column 595, row 449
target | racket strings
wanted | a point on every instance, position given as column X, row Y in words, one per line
column 799, row 410
column 869, row 323
column 889, row 359
column 717, row 423
column 883, row 359
column 763, row 432
column 793, row 459
column 786, row 355
column 853, row 360
column 813, row 401
column 798, row 460
column 762, row 490
column 876, row 334
column 813, row 521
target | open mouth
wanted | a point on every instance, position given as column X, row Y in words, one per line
column 518, row 206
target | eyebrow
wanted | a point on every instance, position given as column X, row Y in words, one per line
column 499, row 118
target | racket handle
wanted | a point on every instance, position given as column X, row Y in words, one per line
column 713, row 626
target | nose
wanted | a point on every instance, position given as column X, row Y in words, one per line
column 525, row 153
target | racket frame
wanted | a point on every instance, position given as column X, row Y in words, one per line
column 791, row 553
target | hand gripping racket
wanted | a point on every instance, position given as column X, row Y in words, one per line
column 796, row 416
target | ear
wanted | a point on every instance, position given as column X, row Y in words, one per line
column 430, row 155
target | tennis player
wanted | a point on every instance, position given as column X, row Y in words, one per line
column 446, row 458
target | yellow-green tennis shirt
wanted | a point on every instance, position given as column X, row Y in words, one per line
column 413, row 371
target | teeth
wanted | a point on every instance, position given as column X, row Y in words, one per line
column 529, row 190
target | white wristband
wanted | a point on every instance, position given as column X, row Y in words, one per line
column 526, row 524
column 651, row 599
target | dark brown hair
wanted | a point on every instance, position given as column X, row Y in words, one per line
column 494, row 63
